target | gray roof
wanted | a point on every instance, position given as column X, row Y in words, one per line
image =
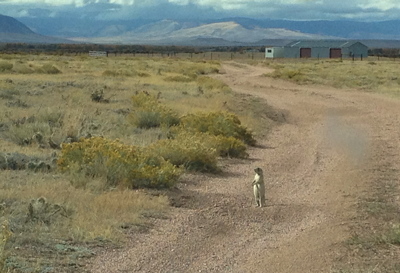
column 322, row 43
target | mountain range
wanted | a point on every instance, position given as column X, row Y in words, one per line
column 13, row 31
column 223, row 32
column 167, row 32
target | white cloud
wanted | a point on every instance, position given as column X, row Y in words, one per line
column 41, row 2
column 77, row 3
column 274, row 9
column 383, row 5
column 221, row 4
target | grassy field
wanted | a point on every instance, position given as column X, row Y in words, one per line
column 51, row 220
column 371, row 74
column 65, row 204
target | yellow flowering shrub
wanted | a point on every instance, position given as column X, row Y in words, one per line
column 229, row 146
column 196, row 151
column 189, row 151
column 121, row 164
column 218, row 124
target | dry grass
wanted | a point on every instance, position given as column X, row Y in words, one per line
column 372, row 75
column 89, row 218
column 53, row 95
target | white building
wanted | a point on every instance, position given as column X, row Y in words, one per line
column 274, row 52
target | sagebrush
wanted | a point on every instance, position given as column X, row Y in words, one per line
column 121, row 164
column 149, row 112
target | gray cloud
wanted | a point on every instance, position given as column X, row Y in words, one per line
column 367, row 10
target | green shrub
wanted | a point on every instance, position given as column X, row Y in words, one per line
column 143, row 74
column 218, row 124
column 179, row 78
column 124, row 73
column 147, row 119
column 54, row 119
column 22, row 69
column 212, row 84
column 200, row 68
column 17, row 103
column 149, row 113
column 120, row 164
column 24, row 134
column 9, row 94
column 48, row 69
column 151, row 118
column 118, row 73
column 393, row 236
column 110, row 73
column 295, row 75
column 5, row 66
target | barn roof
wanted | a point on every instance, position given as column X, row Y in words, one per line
column 322, row 43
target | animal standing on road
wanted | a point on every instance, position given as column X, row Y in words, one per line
column 259, row 187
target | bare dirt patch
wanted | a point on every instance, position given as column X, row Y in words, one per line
column 319, row 164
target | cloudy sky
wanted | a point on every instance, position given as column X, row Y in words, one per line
column 360, row 10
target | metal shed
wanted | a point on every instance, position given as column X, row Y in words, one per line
column 325, row 49
column 274, row 52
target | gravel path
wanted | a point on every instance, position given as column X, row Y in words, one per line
column 316, row 166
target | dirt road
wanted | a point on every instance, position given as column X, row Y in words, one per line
column 317, row 165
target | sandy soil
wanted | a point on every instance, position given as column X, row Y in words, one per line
column 317, row 165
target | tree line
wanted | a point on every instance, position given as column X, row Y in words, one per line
column 60, row 49
column 384, row 52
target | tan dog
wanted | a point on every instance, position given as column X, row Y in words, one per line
column 259, row 187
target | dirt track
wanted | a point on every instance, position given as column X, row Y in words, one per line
column 316, row 165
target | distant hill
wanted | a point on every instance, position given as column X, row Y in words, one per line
column 11, row 25
column 388, row 30
column 13, row 31
column 167, row 32
column 65, row 27
column 234, row 31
